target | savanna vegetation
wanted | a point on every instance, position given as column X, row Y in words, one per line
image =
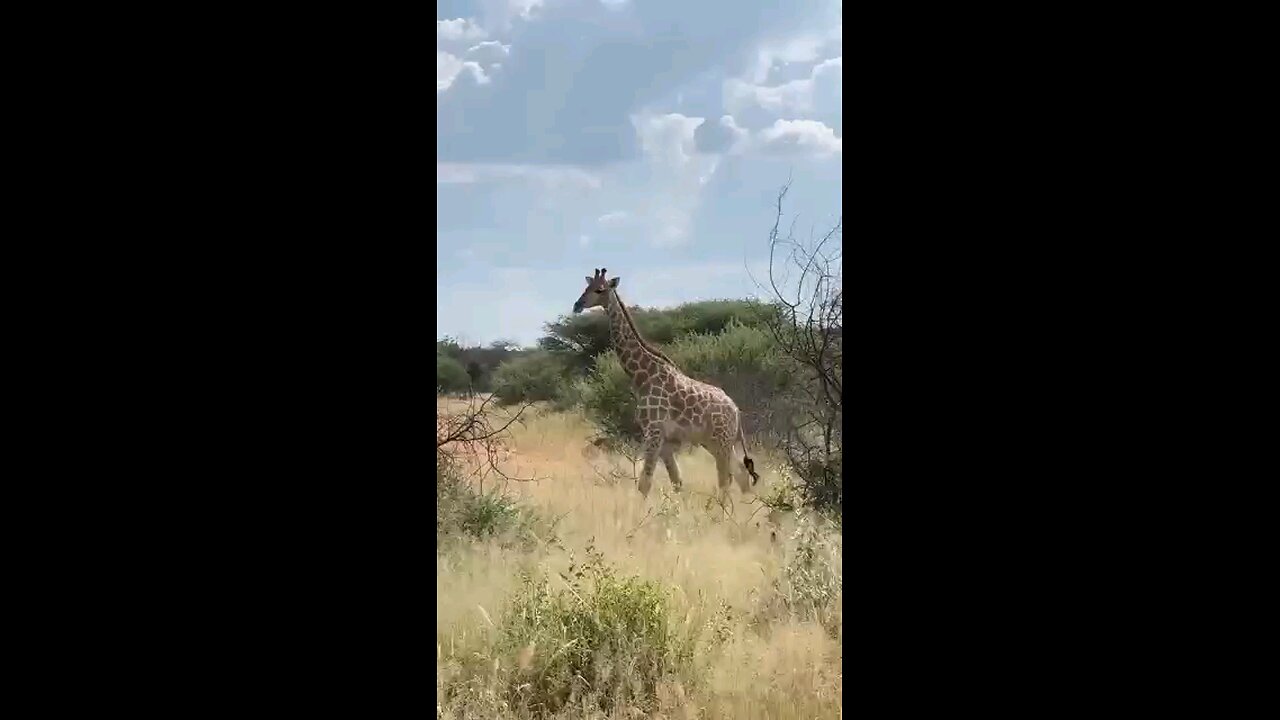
column 564, row 593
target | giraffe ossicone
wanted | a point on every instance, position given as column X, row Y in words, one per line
column 671, row 408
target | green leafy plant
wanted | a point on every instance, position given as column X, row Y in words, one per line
column 536, row 376
column 593, row 633
column 812, row 584
column 467, row 512
column 451, row 377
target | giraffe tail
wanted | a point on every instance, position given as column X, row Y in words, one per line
column 746, row 459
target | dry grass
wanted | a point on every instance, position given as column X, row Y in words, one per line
column 761, row 645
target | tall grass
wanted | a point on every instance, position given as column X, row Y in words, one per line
column 617, row 606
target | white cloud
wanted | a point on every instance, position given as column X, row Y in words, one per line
column 660, row 286
column 498, row 15
column 740, row 94
column 548, row 175
column 677, row 173
column 459, row 29
column 489, row 51
column 798, row 97
column 722, row 136
column 672, row 223
column 667, row 138
column 525, row 8
column 481, row 60
column 802, row 136
column 449, row 66
column 831, row 69
column 801, row 48
column 613, row 219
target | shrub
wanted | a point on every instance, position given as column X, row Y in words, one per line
column 600, row 636
column 537, row 376
column 579, row 339
column 571, row 395
column 479, row 362
column 464, row 511
column 812, row 584
column 608, row 400
column 714, row 316
column 451, row 377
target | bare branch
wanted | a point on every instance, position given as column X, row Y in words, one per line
column 807, row 326
column 472, row 432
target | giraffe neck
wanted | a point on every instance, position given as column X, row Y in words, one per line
column 636, row 356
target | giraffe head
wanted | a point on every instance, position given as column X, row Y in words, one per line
column 597, row 292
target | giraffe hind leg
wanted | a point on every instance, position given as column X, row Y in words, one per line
column 669, row 460
column 723, row 475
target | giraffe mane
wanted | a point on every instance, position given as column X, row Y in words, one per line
column 626, row 314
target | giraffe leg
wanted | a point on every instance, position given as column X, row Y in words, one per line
column 723, row 477
column 652, row 446
column 668, row 454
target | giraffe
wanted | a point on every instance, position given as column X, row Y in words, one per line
column 671, row 407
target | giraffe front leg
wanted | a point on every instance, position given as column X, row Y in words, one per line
column 652, row 446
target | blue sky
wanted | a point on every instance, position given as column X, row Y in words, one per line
column 646, row 136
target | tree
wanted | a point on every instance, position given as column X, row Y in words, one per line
column 807, row 325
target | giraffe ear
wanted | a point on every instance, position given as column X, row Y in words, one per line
column 613, row 282
column 589, row 280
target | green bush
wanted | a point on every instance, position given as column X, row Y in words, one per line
column 812, row 583
column 608, row 399
column 462, row 511
column 597, row 636
column 479, row 362
column 537, row 376
column 579, row 339
column 451, row 377
column 571, row 396
column 714, row 316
